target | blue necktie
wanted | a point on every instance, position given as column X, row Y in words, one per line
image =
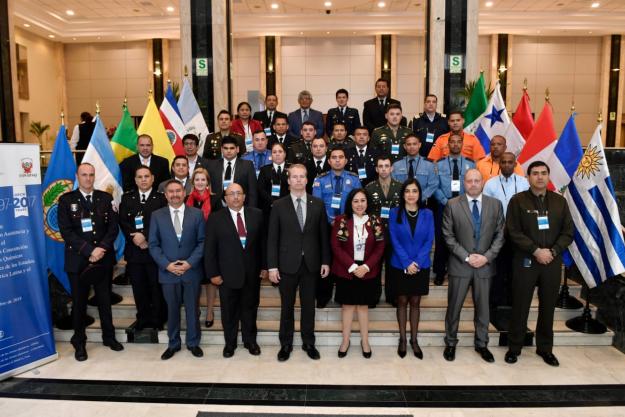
column 477, row 223
column 338, row 187
column 411, row 169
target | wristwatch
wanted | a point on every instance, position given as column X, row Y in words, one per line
column 466, row 259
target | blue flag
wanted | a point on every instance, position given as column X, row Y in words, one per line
column 59, row 179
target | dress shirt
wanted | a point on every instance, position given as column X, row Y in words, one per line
column 275, row 167
column 146, row 194
column 430, row 116
column 180, row 214
column 145, row 161
column 479, row 202
column 192, row 163
column 182, row 181
column 294, row 199
column 233, row 214
column 360, row 235
column 323, row 161
column 503, row 188
column 364, row 150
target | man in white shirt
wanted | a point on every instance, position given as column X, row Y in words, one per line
column 191, row 143
column 180, row 172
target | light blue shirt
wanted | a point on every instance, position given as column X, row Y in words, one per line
column 445, row 174
column 253, row 156
column 424, row 173
column 503, row 188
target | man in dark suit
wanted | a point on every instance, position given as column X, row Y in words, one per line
column 234, row 261
column 374, row 111
column 135, row 212
column 191, row 143
column 281, row 133
column 305, row 114
column 318, row 163
column 348, row 116
column 179, row 172
column 473, row 229
column 89, row 227
column 362, row 158
column 231, row 168
column 297, row 252
column 176, row 244
column 158, row 165
column 268, row 116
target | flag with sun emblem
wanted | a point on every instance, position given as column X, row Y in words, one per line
column 59, row 179
column 598, row 248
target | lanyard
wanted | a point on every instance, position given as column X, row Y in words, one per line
column 502, row 187
column 418, row 158
column 460, row 167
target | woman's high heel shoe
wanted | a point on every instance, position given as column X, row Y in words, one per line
column 343, row 354
column 401, row 348
column 367, row 355
column 416, row 349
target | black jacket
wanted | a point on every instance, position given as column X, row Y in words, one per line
column 421, row 126
column 351, row 119
column 158, row 165
column 262, row 117
column 373, row 113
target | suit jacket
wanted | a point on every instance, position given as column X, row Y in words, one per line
column 129, row 209
column 373, row 113
column 78, row 243
column 289, row 140
column 459, row 235
column 266, row 178
column 158, row 165
column 188, row 187
column 311, row 172
column 343, row 249
column 244, row 175
column 299, row 152
column 200, row 162
column 287, row 244
column 295, row 122
column 263, row 118
column 409, row 247
column 212, row 146
column 353, row 163
column 351, row 119
column 165, row 248
column 223, row 253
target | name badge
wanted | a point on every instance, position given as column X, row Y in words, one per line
column 248, row 144
column 395, row 149
column 139, row 223
column 455, row 186
column 267, row 131
column 243, row 240
column 543, row 222
column 275, row 190
column 87, row 225
column 385, row 212
column 336, row 202
column 429, row 138
column 527, row 262
column 227, row 183
column 362, row 173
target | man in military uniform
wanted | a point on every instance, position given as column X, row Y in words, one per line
column 429, row 125
column 333, row 188
column 361, row 158
column 89, row 226
column 339, row 138
column 212, row 147
column 414, row 165
column 268, row 116
column 347, row 116
column 540, row 228
column 135, row 211
column 318, row 164
column 301, row 150
column 384, row 194
column 389, row 139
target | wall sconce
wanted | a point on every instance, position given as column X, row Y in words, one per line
column 270, row 67
column 385, row 66
column 157, row 69
column 502, row 69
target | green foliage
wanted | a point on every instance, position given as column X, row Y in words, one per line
column 38, row 129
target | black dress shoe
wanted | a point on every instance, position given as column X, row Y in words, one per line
column 81, row 353
column 285, row 353
column 549, row 358
column 322, row 304
column 228, row 351
column 401, row 348
column 366, row 355
column 511, row 357
column 485, row 354
column 416, row 349
column 342, row 354
column 114, row 345
column 312, row 352
column 196, row 351
column 169, row 352
column 253, row 348
column 209, row 323
column 449, row 353
column 439, row 280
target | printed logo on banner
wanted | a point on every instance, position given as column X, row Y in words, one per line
column 20, row 201
column 51, row 196
column 27, row 165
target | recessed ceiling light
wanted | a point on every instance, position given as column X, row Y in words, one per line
column 274, row 5
column 69, row 12
column 489, row 4
column 99, row 37
column 26, row 25
column 328, row 4
column 51, row 36
column 301, row 33
column 381, row 4
column 170, row 9
column 73, row 39
column 327, row 33
column 595, row 4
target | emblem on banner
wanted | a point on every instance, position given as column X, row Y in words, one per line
column 27, row 165
column 51, row 197
column 171, row 135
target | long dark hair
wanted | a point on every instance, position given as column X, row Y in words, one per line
column 349, row 211
column 402, row 200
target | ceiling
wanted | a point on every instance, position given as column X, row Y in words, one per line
column 107, row 20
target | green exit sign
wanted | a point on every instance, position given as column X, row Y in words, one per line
column 455, row 64
column 201, row 67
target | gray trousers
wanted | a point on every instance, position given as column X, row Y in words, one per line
column 456, row 293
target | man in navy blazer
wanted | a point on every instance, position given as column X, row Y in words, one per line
column 176, row 244
column 305, row 113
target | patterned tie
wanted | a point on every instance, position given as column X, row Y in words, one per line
column 411, row 169
column 305, row 116
column 300, row 213
column 177, row 225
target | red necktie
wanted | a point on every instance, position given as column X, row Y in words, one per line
column 240, row 226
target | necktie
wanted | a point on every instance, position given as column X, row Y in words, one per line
column 455, row 176
column 300, row 213
column 281, row 139
column 411, row 169
column 88, row 198
column 305, row 116
column 279, row 171
column 228, row 174
column 343, row 111
column 362, row 157
column 240, row 226
column 258, row 163
column 381, row 102
column 319, row 169
column 338, row 185
column 270, row 115
column 477, row 222
column 142, row 198
column 177, row 225
column 261, row 158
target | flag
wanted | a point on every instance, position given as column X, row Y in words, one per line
column 192, row 115
column 124, row 141
column 598, row 247
column 172, row 121
column 496, row 121
column 566, row 156
column 522, row 117
column 542, row 140
column 59, row 179
column 108, row 176
column 477, row 103
column 152, row 125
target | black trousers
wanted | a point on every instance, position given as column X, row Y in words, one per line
column 80, row 295
column 240, row 305
column 306, row 281
column 547, row 279
column 441, row 251
column 151, row 308
column 324, row 289
column 500, row 294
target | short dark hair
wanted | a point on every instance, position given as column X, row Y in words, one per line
column 411, row 135
column 455, row 111
column 279, row 116
column 191, row 136
column 259, row 131
column 337, row 148
column 361, row 128
column 402, row 199
column 172, row 181
column 430, row 95
column 177, row 157
column 393, row 106
column 224, row 111
column 282, row 145
column 349, row 211
column 319, row 138
column 140, row 167
column 384, row 80
column 383, row 157
column 309, row 124
column 270, row 95
column 86, row 116
column 229, row 140
column 339, row 122
column 536, row 164
column 341, row 91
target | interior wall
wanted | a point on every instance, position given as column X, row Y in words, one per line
column 246, row 70
column 410, row 74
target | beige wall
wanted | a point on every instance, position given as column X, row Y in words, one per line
column 245, row 70
column 410, row 74
column 484, row 58
column 173, row 61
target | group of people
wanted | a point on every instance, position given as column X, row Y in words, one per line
column 272, row 198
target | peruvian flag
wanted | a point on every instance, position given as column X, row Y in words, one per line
column 172, row 121
column 522, row 118
column 542, row 141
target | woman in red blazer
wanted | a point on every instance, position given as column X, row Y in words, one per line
column 245, row 126
column 357, row 241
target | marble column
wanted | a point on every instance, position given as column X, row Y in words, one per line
column 7, row 72
column 435, row 50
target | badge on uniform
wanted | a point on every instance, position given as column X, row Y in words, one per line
column 429, row 138
column 527, row 262
column 362, row 173
column 395, row 149
column 543, row 222
column 275, row 190
column 139, row 223
column 336, row 202
column 73, row 207
column 248, row 144
column 455, row 186
column 243, row 240
column 87, row 225
column 385, row 212
column 267, row 131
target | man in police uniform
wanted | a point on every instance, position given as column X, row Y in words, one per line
column 429, row 125
column 540, row 228
column 339, row 138
column 89, row 226
column 361, row 159
column 414, row 165
column 135, row 211
column 347, row 116
column 389, row 139
column 212, row 147
column 301, row 151
column 333, row 188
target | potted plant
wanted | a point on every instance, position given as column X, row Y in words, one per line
column 38, row 129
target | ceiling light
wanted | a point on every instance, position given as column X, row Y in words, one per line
column 26, row 25
column 51, row 36
column 381, row 4
column 328, row 4
column 73, row 39
column 69, row 12
column 595, row 4
column 327, row 33
column 489, row 4
column 274, row 6
column 170, row 9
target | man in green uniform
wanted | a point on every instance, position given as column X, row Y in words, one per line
column 212, row 148
column 389, row 139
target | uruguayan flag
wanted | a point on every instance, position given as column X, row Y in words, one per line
column 598, row 248
column 496, row 121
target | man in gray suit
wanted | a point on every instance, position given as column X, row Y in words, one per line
column 473, row 230
column 180, row 173
column 176, row 244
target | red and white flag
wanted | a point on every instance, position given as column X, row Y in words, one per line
column 522, row 118
column 542, row 141
column 174, row 126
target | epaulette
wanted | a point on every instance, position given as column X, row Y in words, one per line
column 323, row 174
